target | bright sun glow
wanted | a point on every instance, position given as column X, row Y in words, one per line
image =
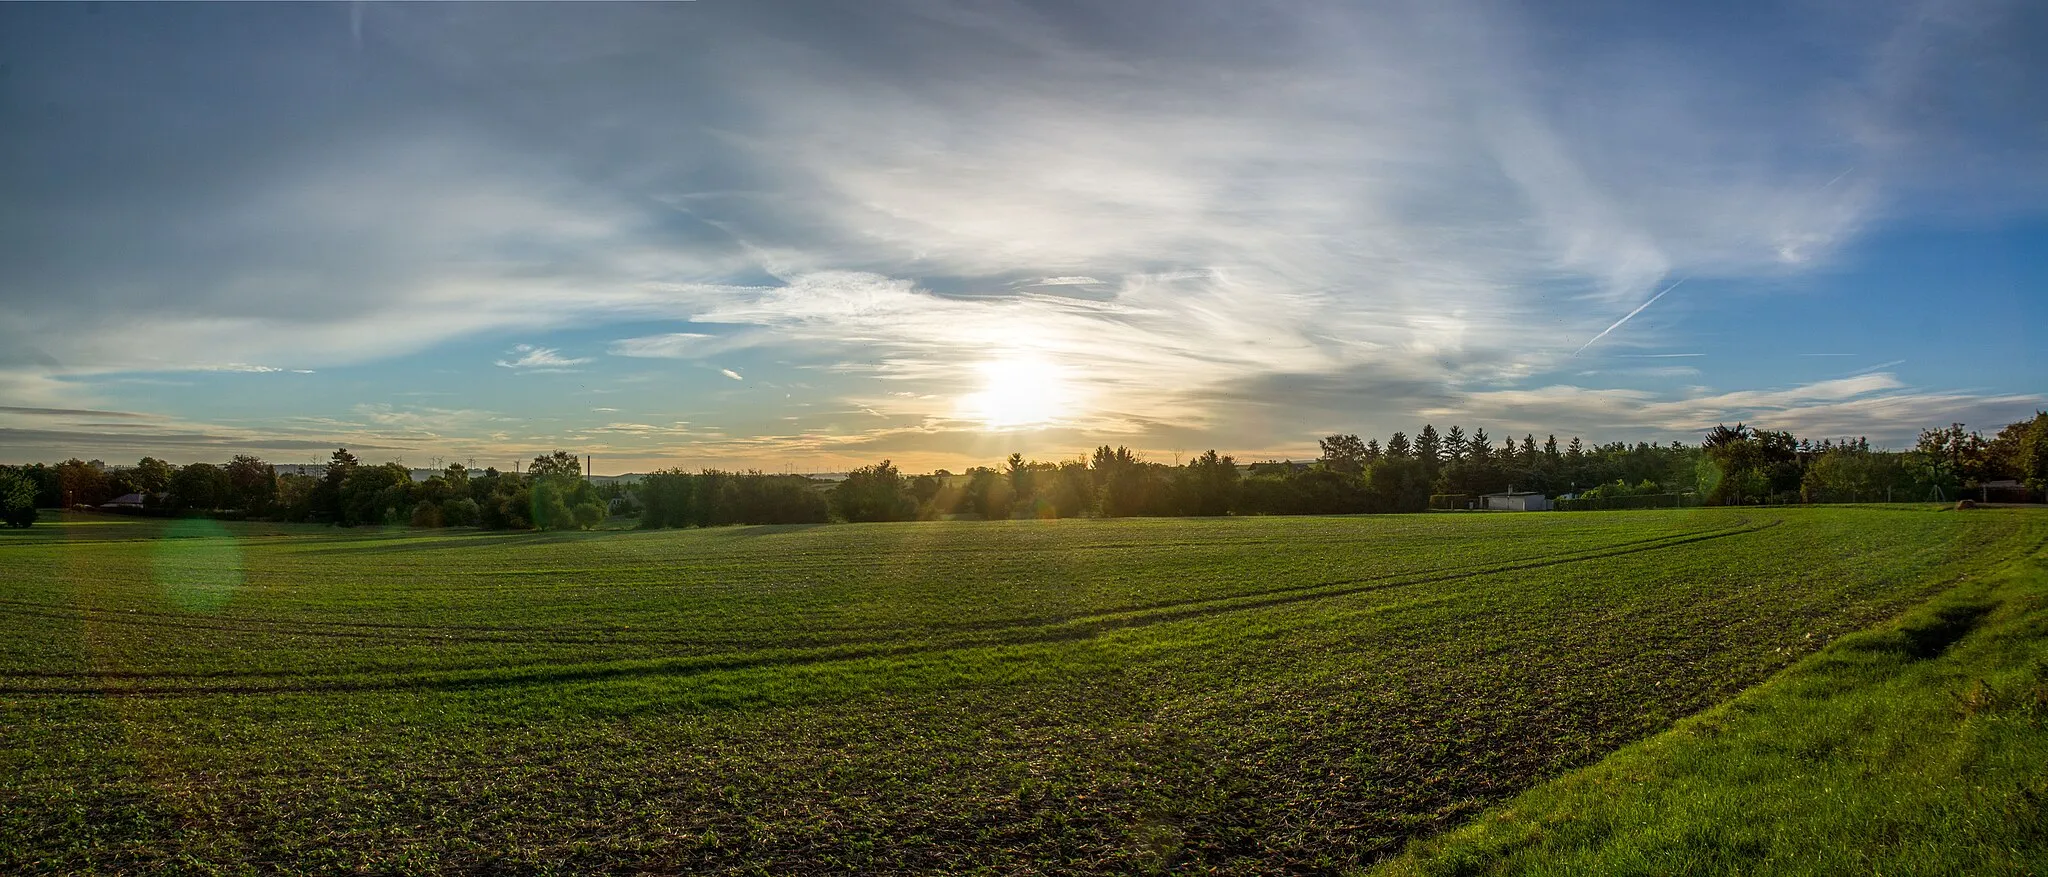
column 1019, row 391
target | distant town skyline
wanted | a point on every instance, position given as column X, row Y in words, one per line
column 805, row 237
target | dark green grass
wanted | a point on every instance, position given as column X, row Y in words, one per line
column 1250, row 695
column 1917, row 748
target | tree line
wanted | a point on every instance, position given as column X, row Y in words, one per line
column 551, row 494
column 1736, row 465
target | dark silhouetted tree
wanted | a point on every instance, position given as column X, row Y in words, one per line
column 1343, row 454
column 560, row 464
column 201, row 486
column 1429, row 448
column 252, row 484
column 874, row 493
column 150, row 475
column 82, row 483
column 327, row 496
column 17, row 498
column 1212, row 482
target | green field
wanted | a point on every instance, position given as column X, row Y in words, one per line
column 1242, row 694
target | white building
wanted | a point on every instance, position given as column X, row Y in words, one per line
column 1515, row 501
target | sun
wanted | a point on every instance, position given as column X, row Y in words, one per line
column 1019, row 392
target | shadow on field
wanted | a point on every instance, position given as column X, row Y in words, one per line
column 1928, row 637
column 1042, row 631
column 757, row 531
column 472, row 539
column 1949, row 625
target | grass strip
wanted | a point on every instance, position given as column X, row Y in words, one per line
column 1920, row 747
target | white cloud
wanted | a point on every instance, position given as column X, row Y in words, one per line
column 731, row 374
column 674, row 345
column 695, row 345
column 242, row 367
column 527, row 357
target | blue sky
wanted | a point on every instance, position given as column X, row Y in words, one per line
column 795, row 236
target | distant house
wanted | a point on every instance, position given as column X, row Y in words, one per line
column 1515, row 501
column 126, row 502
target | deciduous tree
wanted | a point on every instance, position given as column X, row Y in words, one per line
column 17, row 498
column 1343, row 454
column 874, row 493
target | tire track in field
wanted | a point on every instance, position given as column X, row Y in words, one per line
column 1081, row 628
column 545, row 635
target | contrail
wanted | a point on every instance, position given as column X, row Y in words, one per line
column 1631, row 315
column 1653, row 299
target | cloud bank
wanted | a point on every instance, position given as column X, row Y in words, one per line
column 1219, row 224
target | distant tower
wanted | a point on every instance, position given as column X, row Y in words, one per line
column 586, row 468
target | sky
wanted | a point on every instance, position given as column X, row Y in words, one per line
column 803, row 237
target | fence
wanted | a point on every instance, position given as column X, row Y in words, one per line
column 1642, row 501
column 1917, row 494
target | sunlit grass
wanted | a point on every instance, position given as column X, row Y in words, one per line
column 1914, row 749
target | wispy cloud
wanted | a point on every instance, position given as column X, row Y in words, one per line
column 72, row 412
column 242, row 367
column 423, row 421
column 527, row 357
column 731, row 374
column 1872, row 404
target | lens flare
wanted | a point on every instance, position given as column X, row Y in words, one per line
column 198, row 565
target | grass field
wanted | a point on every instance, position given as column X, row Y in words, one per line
column 1250, row 695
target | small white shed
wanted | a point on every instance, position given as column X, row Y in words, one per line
column 1516, row 501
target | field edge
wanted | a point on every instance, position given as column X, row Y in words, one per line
column 1912, row 747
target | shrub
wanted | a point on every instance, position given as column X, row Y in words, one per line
column 17, row 499
column 426, row 514
column 460, row 513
